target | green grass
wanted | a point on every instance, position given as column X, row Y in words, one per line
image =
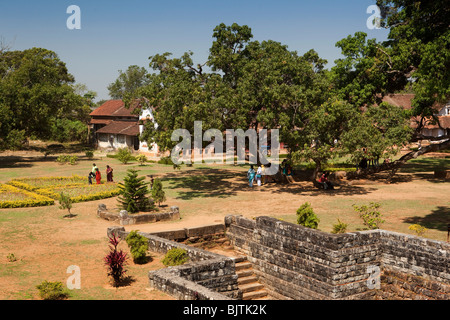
column 423, row 164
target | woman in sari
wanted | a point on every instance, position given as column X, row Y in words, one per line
column 109, row 174
column 251, row 176
column 98, row 176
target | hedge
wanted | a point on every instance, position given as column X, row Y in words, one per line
column 36, row 200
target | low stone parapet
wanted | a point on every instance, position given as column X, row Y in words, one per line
column 126, row 219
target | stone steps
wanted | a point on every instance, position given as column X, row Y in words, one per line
column 248, row 282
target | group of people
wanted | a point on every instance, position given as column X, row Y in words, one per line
column 257, row 176
column 95, row 174
column 325, row 183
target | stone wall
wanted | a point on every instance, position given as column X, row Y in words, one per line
column 207, row 276
column 301, row 263
column 125, row 219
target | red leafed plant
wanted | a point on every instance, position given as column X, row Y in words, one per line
column 115, row 261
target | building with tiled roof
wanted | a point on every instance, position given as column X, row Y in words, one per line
column 115, row 126
column 431, row 128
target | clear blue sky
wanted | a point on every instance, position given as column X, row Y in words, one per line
column 117, row 34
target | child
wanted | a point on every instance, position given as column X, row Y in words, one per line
column 90, row 177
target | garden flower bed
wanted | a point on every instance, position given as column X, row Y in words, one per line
column 34, row 192
column 12, row 197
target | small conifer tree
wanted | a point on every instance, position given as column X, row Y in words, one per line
column 158, row 193
column 133, row 193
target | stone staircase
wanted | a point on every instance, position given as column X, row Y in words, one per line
column 248, row 281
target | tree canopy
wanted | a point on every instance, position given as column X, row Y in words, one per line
column 36, row 93
column 320, row 113
column 128, row 82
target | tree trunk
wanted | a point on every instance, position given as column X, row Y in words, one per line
column 396, row 165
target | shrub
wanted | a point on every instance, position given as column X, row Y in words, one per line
column 175, row 257
column 370, row 215
column 52, row 291
column 65, row 130
column 166, row 160
column 141, row 159
column 158, row 193
column 306, row 216
column 90, row 154
column 65, row 203
column 133, row 193
column 11, row 257
column 64, row 159
column 124, row 155
column 138, row 245
column 115, row 262
column 15, row 140
column 418, row 229
column 340, row 227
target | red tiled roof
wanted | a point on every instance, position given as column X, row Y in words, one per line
column 444, row 122
column 115, row 108
column 121, row 127
column 100, row 121
column 399, row 100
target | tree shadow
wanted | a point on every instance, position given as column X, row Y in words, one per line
column 218, row 183
column 13, row 162
column 70, row 216
column 430, row 178
column 342, row 190
column 201, row 183
column 438, row 219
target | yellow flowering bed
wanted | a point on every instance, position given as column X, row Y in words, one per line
column 49, row 188
column 12, row 197
column 83, row 193
column 33, row 184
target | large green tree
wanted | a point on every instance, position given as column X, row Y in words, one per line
column 320, row 113
column 415, row 59
column 35, row 90
column 128, row 82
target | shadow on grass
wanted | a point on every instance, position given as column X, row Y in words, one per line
column 425, row 165
column 438, row 219
column 218, row 183
column 203, row 183
column 12, row 162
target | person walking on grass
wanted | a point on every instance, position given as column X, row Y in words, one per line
column 109, row 174
column 90, row 177
column 98, row 176
column 259, row 176
column 251, row 176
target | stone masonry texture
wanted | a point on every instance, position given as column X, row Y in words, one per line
column 300, row 263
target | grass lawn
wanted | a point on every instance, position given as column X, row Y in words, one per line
column 46, row 244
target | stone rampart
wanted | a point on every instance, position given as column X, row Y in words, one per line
column 207, row 276
column 301, row 263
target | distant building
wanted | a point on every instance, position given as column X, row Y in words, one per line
column 429, row 129
column 114, row 126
